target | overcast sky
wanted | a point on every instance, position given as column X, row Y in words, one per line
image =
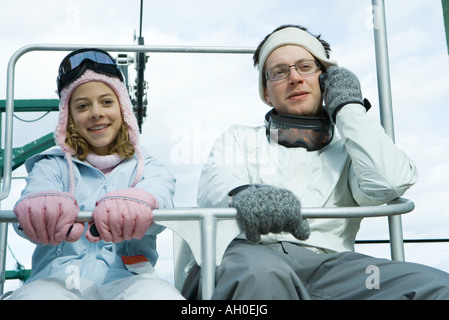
column 194, row 97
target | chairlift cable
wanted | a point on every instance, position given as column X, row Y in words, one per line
column 18, row 264
column 35, row 120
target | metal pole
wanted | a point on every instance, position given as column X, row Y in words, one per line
column 445, row 5
column 386, row 111
column 208, row 242
column 3, row 248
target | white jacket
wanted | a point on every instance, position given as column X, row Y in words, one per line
column 361, row 167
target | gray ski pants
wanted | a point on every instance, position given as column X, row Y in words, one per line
column 287, row 271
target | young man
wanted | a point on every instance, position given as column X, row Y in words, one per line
column 318, row 148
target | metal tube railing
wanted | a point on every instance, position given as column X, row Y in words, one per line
column 7, row 160
column 206, row 249
column 396, row 207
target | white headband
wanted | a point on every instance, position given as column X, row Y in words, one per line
column 291, row 36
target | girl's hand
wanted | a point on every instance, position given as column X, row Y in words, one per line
column 49, row 217
column 122, row 215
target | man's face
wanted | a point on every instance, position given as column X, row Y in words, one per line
column 296, row 94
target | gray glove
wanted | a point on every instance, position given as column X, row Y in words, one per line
column 262, row 209
column 340, row 87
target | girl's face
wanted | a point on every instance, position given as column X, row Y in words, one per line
column 95, row 111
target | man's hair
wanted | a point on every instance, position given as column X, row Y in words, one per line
column 325, row 44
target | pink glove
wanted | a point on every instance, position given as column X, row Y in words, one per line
column 49, row 217
column 123, row 215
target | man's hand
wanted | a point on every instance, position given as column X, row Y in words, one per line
column 340, row 87
column 262, row 209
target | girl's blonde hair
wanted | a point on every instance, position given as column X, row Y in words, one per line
column 121, row 144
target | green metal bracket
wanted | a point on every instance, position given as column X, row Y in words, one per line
column 20, row 154
column 32, row 105
column 21, row 274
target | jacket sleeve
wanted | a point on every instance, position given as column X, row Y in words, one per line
column 158, row 181
column 224, row 170
column 380, row 171
column 44, row 173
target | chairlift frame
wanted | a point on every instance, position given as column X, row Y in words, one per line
column 216, row 227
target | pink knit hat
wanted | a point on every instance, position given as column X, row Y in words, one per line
column 127, row 114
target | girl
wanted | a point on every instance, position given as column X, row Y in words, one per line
column 99, row 167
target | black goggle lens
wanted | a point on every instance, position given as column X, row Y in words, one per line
column 75, row 59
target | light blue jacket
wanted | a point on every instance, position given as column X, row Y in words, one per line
column 100, row 262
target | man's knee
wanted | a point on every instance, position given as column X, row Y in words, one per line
column 429, row 283
column 262, row 274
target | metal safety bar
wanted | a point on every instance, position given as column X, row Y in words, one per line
column 208, row 231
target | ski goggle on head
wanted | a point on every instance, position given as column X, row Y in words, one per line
column 76, row 62
column 312, row 133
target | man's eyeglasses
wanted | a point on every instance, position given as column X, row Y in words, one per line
column 303, row 67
